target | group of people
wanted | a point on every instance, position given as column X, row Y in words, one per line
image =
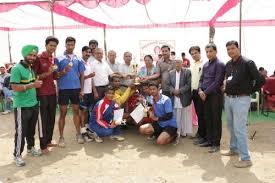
column 98, row 88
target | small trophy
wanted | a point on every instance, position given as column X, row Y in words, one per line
column 70, row 64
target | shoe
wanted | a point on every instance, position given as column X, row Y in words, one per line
column 243, row 164
column 61, row 142
column 199, row 141
column 87, row 138
column 94, row 136
column 205, row 144
column 176, row 141
column 34, row 152
column 152, row 137
column 52, row 144
column 214, row 149
column 79, row 139
column 19, row 161
column 6, row 112
column 117, row 137
column 229, row 153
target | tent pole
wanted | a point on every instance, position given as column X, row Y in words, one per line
column 9, row 43
column 52, row 18
column 240, row 27
column 105, row 44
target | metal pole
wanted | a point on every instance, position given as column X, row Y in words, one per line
column 52, row 18
column 240, row 27
column 105, row 44
column 9, row 43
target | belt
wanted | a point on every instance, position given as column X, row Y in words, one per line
column 102, row 86
column 236, row 96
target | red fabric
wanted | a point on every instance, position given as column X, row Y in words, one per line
column 186, row 63
column 99, row 112
column 40, row 66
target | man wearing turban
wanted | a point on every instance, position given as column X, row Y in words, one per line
column 25, row 104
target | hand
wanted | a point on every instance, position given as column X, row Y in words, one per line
column 52, row 68
column 202, row 95
column 96, row 96
column 113, row 125
column 152, row 116
column 91, row 75
column 81, row 94
column 176, row 92
column 68, row 67
column 37, row 83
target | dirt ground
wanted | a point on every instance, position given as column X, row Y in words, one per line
column 137, row 160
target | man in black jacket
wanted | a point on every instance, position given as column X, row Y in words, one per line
column 241, row 80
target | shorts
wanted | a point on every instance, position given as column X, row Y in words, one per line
column 87, row 102
column 172, row 131
column 72, row 95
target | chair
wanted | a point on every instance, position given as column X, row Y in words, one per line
column 268, row 96
column 256, row 100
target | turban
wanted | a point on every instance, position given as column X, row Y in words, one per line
column 28, row 49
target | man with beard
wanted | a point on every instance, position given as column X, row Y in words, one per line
column 24, row 85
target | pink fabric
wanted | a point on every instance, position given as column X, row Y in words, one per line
column 229, row 4
column 194, row 116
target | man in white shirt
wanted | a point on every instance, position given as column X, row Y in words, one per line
column 112, row 61
column 102, row 72
column 196, row 70
column 126, row 69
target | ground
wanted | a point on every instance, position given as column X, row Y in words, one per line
column 138, row 160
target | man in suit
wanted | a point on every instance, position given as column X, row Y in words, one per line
column 179, row 83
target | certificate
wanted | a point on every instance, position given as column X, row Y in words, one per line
column 138, row 113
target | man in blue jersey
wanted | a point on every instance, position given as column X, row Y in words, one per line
column 164, row 126
column 70, row 87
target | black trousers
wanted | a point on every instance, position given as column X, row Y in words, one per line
column 25, row 122
column 213, row 118
column 47, row 120
column 198, row 104
column 101, row 92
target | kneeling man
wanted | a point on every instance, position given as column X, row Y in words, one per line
column 164, row 127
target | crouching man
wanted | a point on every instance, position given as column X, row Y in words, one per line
column 101, row 122
column 164, row 127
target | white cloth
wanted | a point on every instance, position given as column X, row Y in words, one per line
column 102, row 71
column 87, row 82
column 184, row 120
column 114, row 67
column 177, row 102
column 91, row 59
column 196, row 71
column 126, row 69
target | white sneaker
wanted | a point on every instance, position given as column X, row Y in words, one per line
column 79, row 139
column 87, row 138
column 6, row 112
column 117, row 137
column 95, row 136
column 34, row 152
column 19, row 161
column 61, row 142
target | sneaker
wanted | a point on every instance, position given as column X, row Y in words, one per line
column 87, row 138
column 214, row 149
column 199, row 141
column 152, row 137
column 117, row 137
column 52, row 144
column 177, row 140
column 61, row 142
column 205, row 144
column 79, row 139
column 34, row 152
column 6, row 112
column 243, row 164
column 19, row 161
column 95, row 136
column 229, row 153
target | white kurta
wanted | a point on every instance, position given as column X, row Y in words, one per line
column 183, row 114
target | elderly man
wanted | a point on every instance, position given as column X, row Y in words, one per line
column 24, row 85
column 112, row 61
column 126, row 69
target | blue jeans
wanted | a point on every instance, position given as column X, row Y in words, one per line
column 103, row 132
column 236, row 113
column 8, row 99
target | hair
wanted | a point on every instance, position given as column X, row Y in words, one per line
column 93, row 41
column 110, row 88
column 229, row 43
column 85, row 48
column 183, row 54
column 127, row 52
column 149, row 56
column 165, row 46
column 197, row 48
column 173, row 53
column 114, row 77
column 153, row 84
column 70, row 39
column 51, row 38
column 211, row 45
column 261, row 69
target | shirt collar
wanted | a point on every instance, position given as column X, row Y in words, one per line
column 24, row 64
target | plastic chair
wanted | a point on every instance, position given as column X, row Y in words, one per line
column 257, row 101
